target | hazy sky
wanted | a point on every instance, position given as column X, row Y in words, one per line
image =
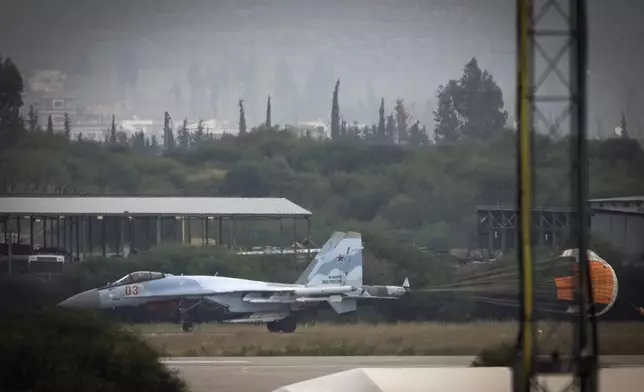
column 403, row 48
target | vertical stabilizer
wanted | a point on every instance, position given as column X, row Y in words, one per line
column 338, row 263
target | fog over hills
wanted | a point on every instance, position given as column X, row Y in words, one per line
column 197, row 58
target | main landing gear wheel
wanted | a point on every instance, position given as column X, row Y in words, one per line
column 286, row 325
column 187, row 326
column 272, row 326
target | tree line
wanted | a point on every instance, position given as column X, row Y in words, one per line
column 421, row 194
column 471, row 106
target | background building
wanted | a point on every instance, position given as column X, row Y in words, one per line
column 620, row 222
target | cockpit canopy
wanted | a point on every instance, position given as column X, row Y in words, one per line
column 139, row 276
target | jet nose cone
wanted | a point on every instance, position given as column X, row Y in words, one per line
column 86, row 300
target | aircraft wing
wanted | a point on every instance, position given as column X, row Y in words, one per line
column 251, row 293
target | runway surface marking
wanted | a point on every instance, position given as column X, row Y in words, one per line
column 205, row 362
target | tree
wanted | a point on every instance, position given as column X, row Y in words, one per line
column 335, row 112
column 417, row 135
column 138, row 142
column 154, row 144
column 113, row 136
column 447, row 123
column 242, row 118
column 11, row 88
column 390, row 128
column 169, row 143
column 268, row 113
column 50, row 125
column 183, row 136
column 402, row 119
column 32, row 119
column 471, row 107
column 200, row 134
column 381, row 133
column 67, row 126
column 622, row 126
column 113, row 360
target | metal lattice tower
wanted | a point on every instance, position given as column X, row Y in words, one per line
column 551, row 35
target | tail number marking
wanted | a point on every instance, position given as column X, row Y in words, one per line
column 333, row 279
column 132, row 291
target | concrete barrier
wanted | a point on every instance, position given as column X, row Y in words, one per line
column 455, row 380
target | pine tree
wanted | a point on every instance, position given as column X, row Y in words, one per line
column 113, row 139
column 183, row 136
column 402, row 119
column 622, row 125
column 381, row 134
column 169, row 143
column 335, row 113
column 200, row 134
column 242, row 118
column 67, row 126
column 32, row 119
column 50, row 125
column 268, row 113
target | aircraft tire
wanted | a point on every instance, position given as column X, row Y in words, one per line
column 272, row 326
column 287, row 325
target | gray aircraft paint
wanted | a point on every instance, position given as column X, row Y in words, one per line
column 329, row 245
column 338, row 264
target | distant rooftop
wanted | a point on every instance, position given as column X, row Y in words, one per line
column 150, row 206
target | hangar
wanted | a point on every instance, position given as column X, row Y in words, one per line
column 114, row 225
column 618, row 221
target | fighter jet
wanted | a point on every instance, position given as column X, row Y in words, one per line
column 334, row 276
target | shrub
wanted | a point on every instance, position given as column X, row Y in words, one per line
column 51, row 349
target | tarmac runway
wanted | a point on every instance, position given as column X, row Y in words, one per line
column 265, row 374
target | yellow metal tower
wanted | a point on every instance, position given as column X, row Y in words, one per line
column 536, row 22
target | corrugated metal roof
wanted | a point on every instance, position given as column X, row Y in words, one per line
column 618, row 211
column 618, row 199
column 155, row 206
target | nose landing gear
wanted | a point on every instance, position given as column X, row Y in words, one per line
column 184, row 319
